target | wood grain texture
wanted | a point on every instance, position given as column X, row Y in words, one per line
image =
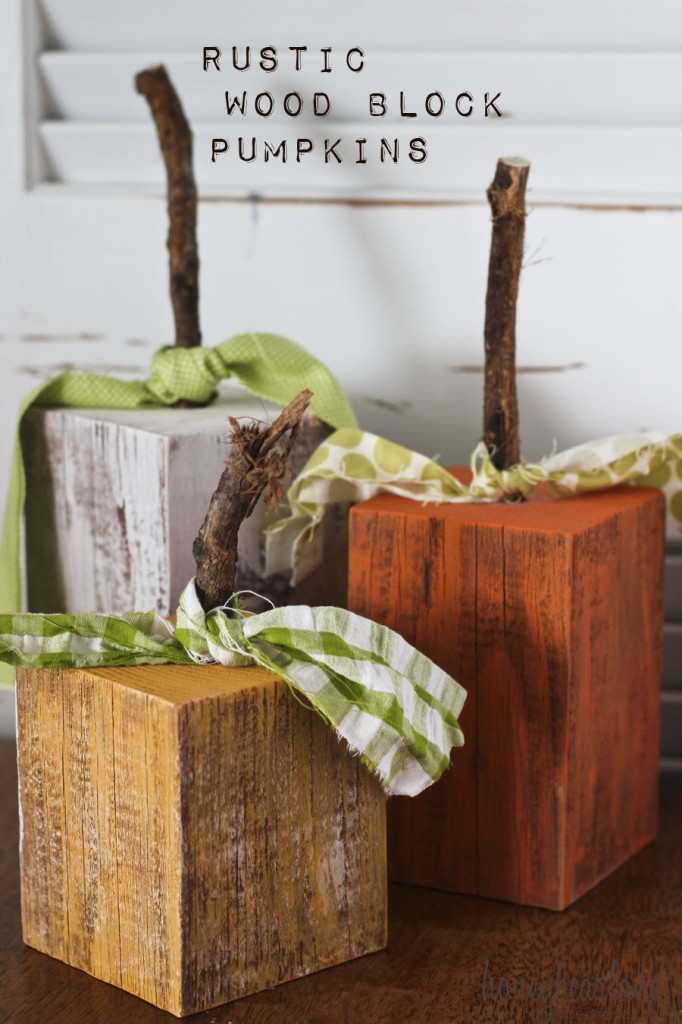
column 193, row 835
column 550, row 614
column 115, row 498
column 434, row 967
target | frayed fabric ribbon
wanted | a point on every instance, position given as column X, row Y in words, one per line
column 352, row 465
column 269, row 366
column 394, row 707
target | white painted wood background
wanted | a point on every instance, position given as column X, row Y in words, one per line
column 390, row 295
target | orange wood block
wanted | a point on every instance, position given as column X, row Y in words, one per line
column 550, row 613
column 193, row 835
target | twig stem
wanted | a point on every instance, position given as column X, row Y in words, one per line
column 175, row 139
column 257, row 463
column 506, row 196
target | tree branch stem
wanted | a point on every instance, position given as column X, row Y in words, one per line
column 506, row 197
column 257, row 464
column 175, row 139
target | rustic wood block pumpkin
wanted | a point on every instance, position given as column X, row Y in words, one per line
column 550, row 613
column 193, row 835
column 114, row 499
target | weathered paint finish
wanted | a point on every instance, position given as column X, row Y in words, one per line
column 550, row 614
column 115, row 499
column 193, row 835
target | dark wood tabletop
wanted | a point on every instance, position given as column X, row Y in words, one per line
column 616, row 955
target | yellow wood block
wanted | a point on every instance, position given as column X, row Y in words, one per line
column 192, row 834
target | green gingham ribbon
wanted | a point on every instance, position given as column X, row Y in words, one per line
column 351, row 465
column 269, row 366
column 392, row 705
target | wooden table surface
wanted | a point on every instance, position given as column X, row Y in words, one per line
column 450, row 959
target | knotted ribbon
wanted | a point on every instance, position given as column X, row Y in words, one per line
column 351, row 465
column 390, row 703
column 269, row 366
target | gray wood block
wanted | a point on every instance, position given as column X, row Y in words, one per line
column 115, row 498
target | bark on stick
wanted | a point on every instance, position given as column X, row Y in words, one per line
column 506, row 196
column 257, row 463
column 175, row 139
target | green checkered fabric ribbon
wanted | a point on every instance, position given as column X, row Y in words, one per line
column 392, row 705
column 352, row 465
column 269, row 366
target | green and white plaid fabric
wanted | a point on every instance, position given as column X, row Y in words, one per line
column 352, row 465
column 269, row 366
column 392, row 705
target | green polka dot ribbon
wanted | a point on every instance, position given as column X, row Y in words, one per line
column 352, row 466
column 391, row 705
column 269, row 366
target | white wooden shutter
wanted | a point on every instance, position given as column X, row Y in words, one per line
column 589, row 91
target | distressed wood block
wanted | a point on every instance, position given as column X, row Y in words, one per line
column 193, row 835
column 115, row 498
column 550, row 614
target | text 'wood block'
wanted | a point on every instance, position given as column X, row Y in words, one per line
column 115, row 498
column 193, row 835
column 549, row 612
